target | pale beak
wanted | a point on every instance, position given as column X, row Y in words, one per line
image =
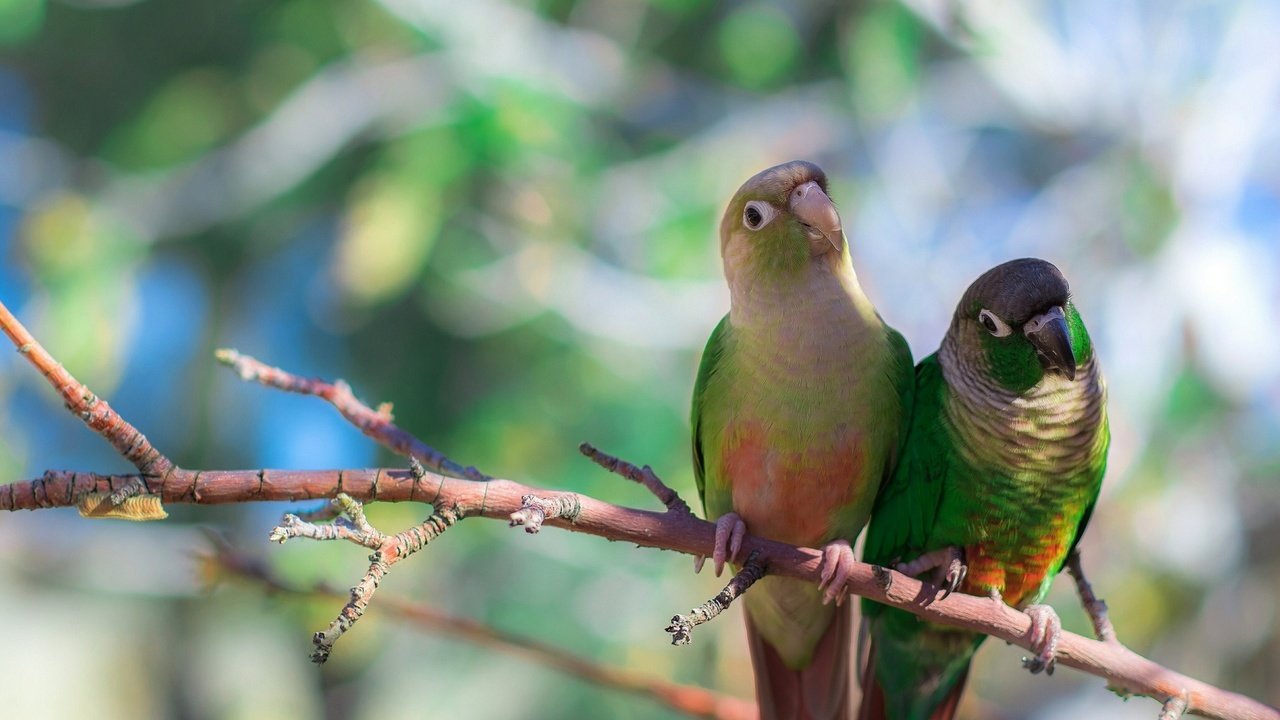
column 1048, row 333
column 817, row 213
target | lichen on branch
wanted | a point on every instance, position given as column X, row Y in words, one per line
column 350, row 524
column 681, row 627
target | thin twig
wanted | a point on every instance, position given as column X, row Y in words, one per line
column 687, row 699
column 643, row 475
column 1093, row 605
column 93, row 410
column 681, row 627
column 352, row 525
column 377, row 424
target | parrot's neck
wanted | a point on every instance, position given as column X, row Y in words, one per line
column 800, row 344
column 823, row 294
column 1052, row 428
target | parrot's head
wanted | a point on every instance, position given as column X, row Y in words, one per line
column 1018, row 317
column 779, row 223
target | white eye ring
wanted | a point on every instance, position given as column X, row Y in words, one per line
column 757, row 214
column 994, row 324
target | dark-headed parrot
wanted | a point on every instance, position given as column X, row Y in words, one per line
column 1001, row 468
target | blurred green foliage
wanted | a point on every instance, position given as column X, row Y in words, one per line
column 501, row 216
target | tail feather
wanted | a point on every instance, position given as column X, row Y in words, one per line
column 872, row 707
column 876, row 703
column 819, row 691
column 951, row 703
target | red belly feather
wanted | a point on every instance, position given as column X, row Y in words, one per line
column 792, row 495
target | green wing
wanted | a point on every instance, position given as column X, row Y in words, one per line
column 903, row 377
column 711, row 363
column 908, row 502
column 1101, row 471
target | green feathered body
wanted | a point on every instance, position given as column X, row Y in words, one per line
column 1003, row 461
column 798, row 412
column 797, row 416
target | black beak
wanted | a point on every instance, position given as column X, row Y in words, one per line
column 1048, row 333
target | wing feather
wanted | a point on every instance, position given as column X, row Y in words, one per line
column 908, row 502
column 712, row 358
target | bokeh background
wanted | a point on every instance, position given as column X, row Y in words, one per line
column 500, row 216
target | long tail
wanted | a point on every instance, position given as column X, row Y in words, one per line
column 874, row 699
column 819, row 691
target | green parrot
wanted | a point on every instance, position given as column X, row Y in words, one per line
column 1001, row 468
column 797, row 414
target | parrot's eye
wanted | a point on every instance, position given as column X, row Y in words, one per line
column 993, row 324
column 757, row 214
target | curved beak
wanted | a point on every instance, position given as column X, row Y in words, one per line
column 1048, row 333
column 817, row 213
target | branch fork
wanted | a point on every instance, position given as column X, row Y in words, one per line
column 643, row 475
column 350, row 524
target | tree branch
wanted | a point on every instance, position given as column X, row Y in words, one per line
column 681, row 627
column 1124, row 670
column 377, row 424
column 353, row 526
column 686, row 699
column 81, row 402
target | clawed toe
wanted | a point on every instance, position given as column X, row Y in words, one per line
column 730, row 533
column 957, row 571
column 1046, row 629
column 837, row 565
column 948, row 559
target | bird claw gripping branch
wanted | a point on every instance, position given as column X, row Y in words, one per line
column 1046, row 630
column 948, row 559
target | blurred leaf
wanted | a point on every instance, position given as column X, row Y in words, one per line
column 186, row 116
column 85, row 260
column 307, row 24
column 759, row 44
column 679, row 7
column 883, row 56
column 1150, row 209
column 19, row 20
column 276, row 70
column 388, row 233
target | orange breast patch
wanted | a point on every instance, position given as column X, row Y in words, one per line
column 1017, row 576
column 791, row 495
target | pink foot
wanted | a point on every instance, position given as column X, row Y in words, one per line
column 1046, row 629
column 837, row 564
column 730, row 531
column 948, row 564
